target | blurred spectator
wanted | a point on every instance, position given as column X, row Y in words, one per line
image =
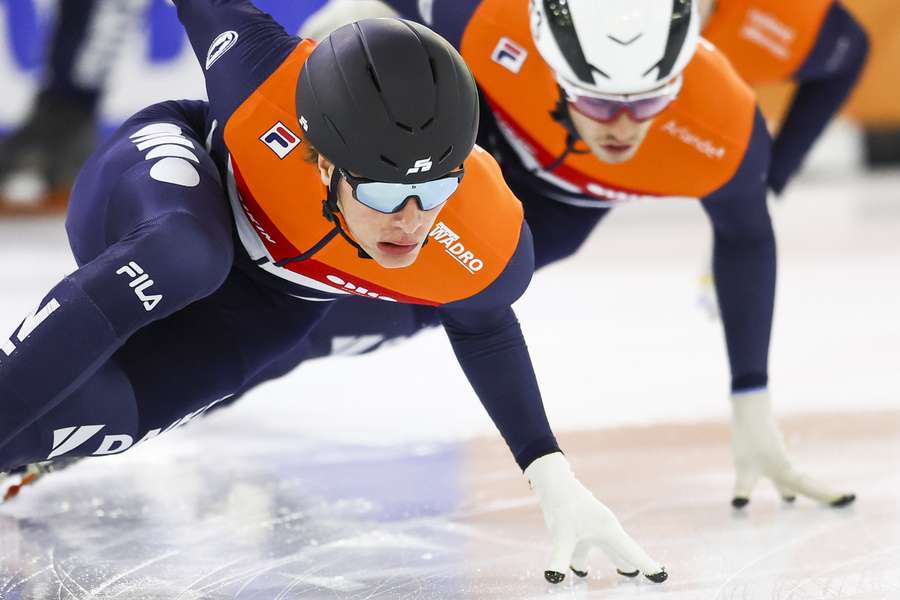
column 39, row 160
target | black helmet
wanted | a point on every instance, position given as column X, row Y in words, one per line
column 389, row 100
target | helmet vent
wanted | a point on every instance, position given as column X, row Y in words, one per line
column 559, row 19
column 433, row 69
column 374, row 78
column 445, row 154
column 404, row 127
column 334, row 128
column 678, row 33
column 388, row 161
column 427, row 124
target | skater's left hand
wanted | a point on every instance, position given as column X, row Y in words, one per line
column 578, row 522
column 759, row 451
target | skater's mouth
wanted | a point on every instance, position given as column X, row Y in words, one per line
column 397, row 249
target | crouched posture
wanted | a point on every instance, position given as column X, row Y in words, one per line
column 212, row 237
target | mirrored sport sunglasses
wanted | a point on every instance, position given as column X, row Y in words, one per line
column 605, row 109
column 389, row 198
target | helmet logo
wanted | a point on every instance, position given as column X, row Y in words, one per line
column 423, row 165
column 304, row 123
column 222, row 44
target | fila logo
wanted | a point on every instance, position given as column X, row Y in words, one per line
column 510, row 55
column 30, row 323
column 67, row 439
column 222, row 44
column 423, row 165
column 449, row 239
column 167, row 142
column 280, row 139
column 140, row 282
column 359, row 291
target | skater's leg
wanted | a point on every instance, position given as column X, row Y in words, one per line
column 166, row 246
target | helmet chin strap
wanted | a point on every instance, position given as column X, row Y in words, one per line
column 561, row 115
column 331, row 212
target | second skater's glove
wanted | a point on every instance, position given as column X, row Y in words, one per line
column 759, row 451
column 578, row 522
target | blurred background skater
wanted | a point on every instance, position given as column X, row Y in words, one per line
column 40, row 158
column 817, row 45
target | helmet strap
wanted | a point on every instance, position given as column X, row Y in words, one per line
column 332, row 213
column 561, row 115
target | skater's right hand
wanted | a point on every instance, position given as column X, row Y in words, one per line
column 578, row 522
column 759, row 452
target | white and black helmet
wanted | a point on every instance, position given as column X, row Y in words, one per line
column 615, row 47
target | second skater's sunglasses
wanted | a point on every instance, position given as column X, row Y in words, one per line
column 389, row 198
column 607, row 108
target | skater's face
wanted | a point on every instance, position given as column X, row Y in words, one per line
column 392, row 240
column 614, row 142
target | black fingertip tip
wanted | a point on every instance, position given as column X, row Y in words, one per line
column 628, row 573
column 789, row 499
column 739, row 502
column 581, row 574
column 554, row 576
column 658, row 577
column 844, row 500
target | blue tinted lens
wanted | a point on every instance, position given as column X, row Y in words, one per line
column 390, row 197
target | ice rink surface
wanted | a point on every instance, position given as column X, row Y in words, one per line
column 380, row 477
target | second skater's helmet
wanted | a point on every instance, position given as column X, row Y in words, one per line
column 388, row 100
column 615, row 47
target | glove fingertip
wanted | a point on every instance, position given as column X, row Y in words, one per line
column 789, row 499
column 628, row 574
column 554, row 577
column 581, row 574
column 845, row 500
column 658, row 577
column 740, row 501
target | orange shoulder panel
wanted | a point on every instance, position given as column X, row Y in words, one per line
column 476, row 234
column 766, row 40
column 692, row 149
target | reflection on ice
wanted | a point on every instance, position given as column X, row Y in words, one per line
column 248, row 520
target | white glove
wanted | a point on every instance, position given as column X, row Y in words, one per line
column 577, row 522
column 759, row 451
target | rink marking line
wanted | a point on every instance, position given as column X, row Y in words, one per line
column 123, row 574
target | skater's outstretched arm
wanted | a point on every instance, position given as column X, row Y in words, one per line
column 744, row 262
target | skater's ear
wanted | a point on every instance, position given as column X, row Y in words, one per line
column 314, row 157
column 326, row 168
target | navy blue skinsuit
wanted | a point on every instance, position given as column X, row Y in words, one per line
column 166, row 315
